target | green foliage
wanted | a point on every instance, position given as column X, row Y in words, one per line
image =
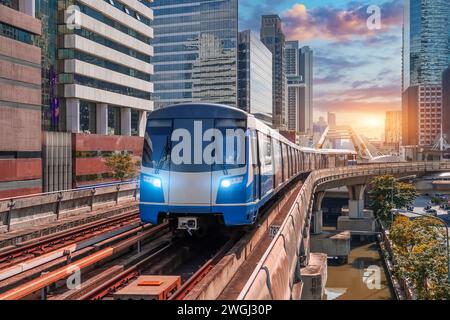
column 386, row 193
column 438, row 200
column 420, row 255
column 121, row 166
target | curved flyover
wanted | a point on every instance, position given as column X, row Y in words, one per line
column 277, row 275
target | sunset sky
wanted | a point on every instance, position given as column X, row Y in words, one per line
column 357, row 71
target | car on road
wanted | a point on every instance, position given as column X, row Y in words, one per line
column 428, row 207
column 410, row 208
column 432, row 212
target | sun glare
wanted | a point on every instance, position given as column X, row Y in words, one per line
column 373, row 122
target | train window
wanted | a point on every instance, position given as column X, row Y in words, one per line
column 156, row 153
column 268, row 154
column 291, row 160
column 254, row 147
column 265, row 150
column 234, row 133
column 278, row 164
column 284, row 152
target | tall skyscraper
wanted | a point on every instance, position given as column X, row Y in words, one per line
column 307, row 93
column 273, row 37
column 255, row 77
column 393, row 128
column 20, row 99
column 195, row 51
column 299, row 74
column 425, row 56
column 446, row 105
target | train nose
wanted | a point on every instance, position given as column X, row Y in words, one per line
column 193, row 188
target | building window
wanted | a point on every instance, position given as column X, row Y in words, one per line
column 114, row 121
column 88, row 117
column 135, row 122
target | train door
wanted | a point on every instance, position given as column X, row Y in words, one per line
column 255, row 165
column 266, row 160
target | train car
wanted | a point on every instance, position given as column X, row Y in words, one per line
column 204, row 162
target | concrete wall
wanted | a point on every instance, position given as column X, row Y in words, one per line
column 43, row 208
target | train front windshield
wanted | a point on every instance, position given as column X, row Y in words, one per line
column 195, row 145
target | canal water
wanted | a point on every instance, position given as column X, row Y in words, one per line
column 363, row 277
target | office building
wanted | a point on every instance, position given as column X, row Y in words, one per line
column 446, row 105
column 393, row 129
column 97, row 87
column 425, row 56
column 195, row 51
column 255, row 77
column 331, row 119
column 20, row 99
column 273, row 37
column 299, row 74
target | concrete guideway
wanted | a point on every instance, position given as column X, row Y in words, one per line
column 276, row 276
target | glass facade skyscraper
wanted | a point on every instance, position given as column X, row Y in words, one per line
column 195, row 51
column 426, row 55
column 425, row 42
column 273, row 37
column 255, row 77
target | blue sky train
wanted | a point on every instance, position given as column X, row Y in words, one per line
column 214, row 161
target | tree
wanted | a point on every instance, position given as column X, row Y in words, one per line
column 386, row 193
column 121, row 166
column 420, row 255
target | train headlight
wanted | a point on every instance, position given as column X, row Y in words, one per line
column 226, row 183
column 156, row 182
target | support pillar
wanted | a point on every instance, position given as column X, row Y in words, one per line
column 356, row 201
column 359, row 219
column 73, row 115
column 142, row 123
column 355, row 209
column 102, row 118
column 317, row 213
column 125, row 119
column 317, row 221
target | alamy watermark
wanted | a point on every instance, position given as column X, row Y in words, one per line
column 72, row 17
column 220, row 149
column 372, row 277
column 374, row 20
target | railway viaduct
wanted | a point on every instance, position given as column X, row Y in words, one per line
column 293, row 262
column 288, row 265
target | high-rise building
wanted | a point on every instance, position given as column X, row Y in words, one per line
column 273, row 37
column 97, row 87
column 446, row 105
column 20, row 99
column 393, row 128
column 255, row 77
column 295, row 81
column 299, row 74
column 195, row 51
column 425, row 56
column 331, row 119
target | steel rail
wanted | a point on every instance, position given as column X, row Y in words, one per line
column 66, row 237
column 66, row 271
